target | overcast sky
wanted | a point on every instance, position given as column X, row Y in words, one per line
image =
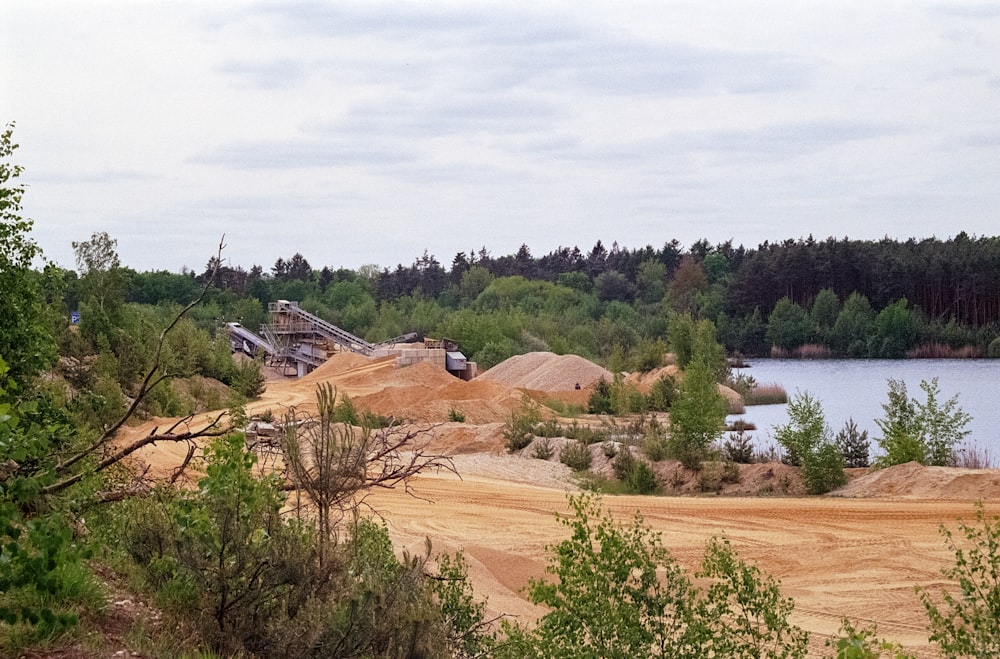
column 360, row 133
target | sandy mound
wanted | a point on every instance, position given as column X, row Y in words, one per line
column 546, row 371
column 424, row 392
column 337, row 365
column 644, row 381
column 915, row 481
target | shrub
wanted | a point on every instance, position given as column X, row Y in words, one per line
column 456, row 415
column 853, row 445
column 642, row 480
column 853, row 643
column 823, row 469
column 619, row 593
column 610, row 449
column 656, row 446
column 697, row 417
column 576, row 455
column 519, row 429
column 806, row 440
column 993, row 350
column 248, row 378
column 662, row 394
column 739, row 447
column 967, row 622
column 623, row 464
column 542, row 449
column 600, row 398
column 926, row 432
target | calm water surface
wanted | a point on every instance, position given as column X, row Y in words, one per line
column 858, row 388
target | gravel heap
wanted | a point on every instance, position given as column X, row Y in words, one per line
column 546, row 371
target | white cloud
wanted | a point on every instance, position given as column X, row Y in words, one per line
column 362, row 132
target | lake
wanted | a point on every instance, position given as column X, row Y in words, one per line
column 857, row 388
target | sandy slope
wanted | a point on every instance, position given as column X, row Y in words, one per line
column 858, row 555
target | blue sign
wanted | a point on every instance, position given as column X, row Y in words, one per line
column 74, row 317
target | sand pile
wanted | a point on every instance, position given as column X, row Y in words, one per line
column 337, row 365
column 915, row 481
column 424, row 392
column 644, row 381
column 546, row 371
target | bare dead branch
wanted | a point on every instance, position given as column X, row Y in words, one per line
column 179, row 471
column 213, row 429
column 152, row 378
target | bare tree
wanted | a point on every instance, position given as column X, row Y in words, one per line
column 337, row 465
column 74, row 468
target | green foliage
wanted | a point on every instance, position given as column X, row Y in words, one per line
column 576, row 455
column 738, row 447
column 25, row 341
column 743, row 610
column 469, row 634
column 635, row 474
column 542, row 450
column 806, row 429
column 626, row 398
column 697, row 417
column 807, row 441
column 641, row 480
column 620, row 594
column 662, row 394
column 40, row 560
column 993, row 350
column 966, row 622
column 854, row 643
column 248, row 378
column 897, row 328
column 823, row 469
column 926, row 432
column 680, row 333
column 600, row 398
column 519, row 429
column 255, row 582
column 854, row 325
column 853, row 445
column 456, row 415
column 789, row 325
column 824, row 312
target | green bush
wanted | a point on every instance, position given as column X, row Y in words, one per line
column 456, row 416
column 519, row 429
column 619, row 593
column 248, row 379
column 993, row 349
column 542, row 450
column 738, row 447
column 925, row 432
column 823, row 470
column 663, row 394
column 807, row 443
column 966, row 622
column 853, row 445
column 576, row 455
column 642, row 480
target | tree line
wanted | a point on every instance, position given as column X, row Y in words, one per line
column 837, row 297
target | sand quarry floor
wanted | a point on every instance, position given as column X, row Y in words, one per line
column 858, row 553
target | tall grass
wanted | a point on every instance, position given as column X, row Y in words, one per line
column 943, row 351
column 972, row 457
column 766, row 394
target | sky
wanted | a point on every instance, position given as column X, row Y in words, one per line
column 367, row 133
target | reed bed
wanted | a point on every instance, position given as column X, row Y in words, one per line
column 766, row 394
